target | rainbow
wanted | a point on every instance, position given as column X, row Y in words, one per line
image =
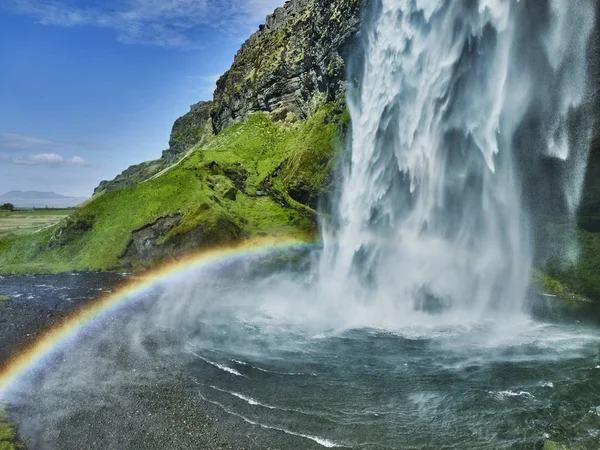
column 66, row 332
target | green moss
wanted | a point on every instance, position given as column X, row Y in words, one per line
column 238, row 184
column 8, row 434
column 255, row 146
column 552, row 445
column 584, row 276
column 306, row 176
column 4, row 298
column 549, row 285
column 570, row 303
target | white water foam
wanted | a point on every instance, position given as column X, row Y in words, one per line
column 248, row 400
column 502, row 395
column 218, row 366
column 254, row 402
column 319, row 440
column 260, row 369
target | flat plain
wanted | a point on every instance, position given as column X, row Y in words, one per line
column 31, row 220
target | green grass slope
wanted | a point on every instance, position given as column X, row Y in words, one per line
column 239, row 184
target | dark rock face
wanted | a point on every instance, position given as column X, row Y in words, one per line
column 296, row 57
column 143, row 245
column 590, row 203
column 236, row 172
column 189, row 130
column 152, row 243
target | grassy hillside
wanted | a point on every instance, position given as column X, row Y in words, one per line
column 255, row 177
column 259, row 176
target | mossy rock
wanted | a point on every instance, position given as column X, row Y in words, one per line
column 4, row 298
column 8, row 434
column 556, row 288
column 72, row 227
column 553, row 445
column 306, row 176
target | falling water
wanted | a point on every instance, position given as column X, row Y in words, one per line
column 460, row 108
column 457, row 104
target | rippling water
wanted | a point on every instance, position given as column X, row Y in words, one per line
column 468, row 388
column 262, row 364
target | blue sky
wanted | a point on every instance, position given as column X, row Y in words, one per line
column 89, row 87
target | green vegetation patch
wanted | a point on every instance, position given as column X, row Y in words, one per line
column 240, row 183
column 307, row 175
column 584, row 276
column 552, row 445
column 556, row 288
column 8, row 434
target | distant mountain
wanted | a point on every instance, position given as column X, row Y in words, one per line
column 36, row 199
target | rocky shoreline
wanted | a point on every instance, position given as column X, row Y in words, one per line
column 23, row 320
column 163, row 408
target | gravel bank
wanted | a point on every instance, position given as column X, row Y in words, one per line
column 102, row 395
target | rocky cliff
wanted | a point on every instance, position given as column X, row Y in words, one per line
column 255, row 160
column 290, row 66
column 297, row 57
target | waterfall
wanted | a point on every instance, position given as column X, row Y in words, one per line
column 456, row 106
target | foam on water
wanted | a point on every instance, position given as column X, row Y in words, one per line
column 248, row 400
column 319, row 440
column 223, row 367
column 260, row 369
column 501, row 395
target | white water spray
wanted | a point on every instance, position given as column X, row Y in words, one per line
column 457, row 102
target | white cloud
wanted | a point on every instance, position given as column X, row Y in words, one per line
column 44, row 159
column 77, row 161
column 167, row 23
column 17, row 141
